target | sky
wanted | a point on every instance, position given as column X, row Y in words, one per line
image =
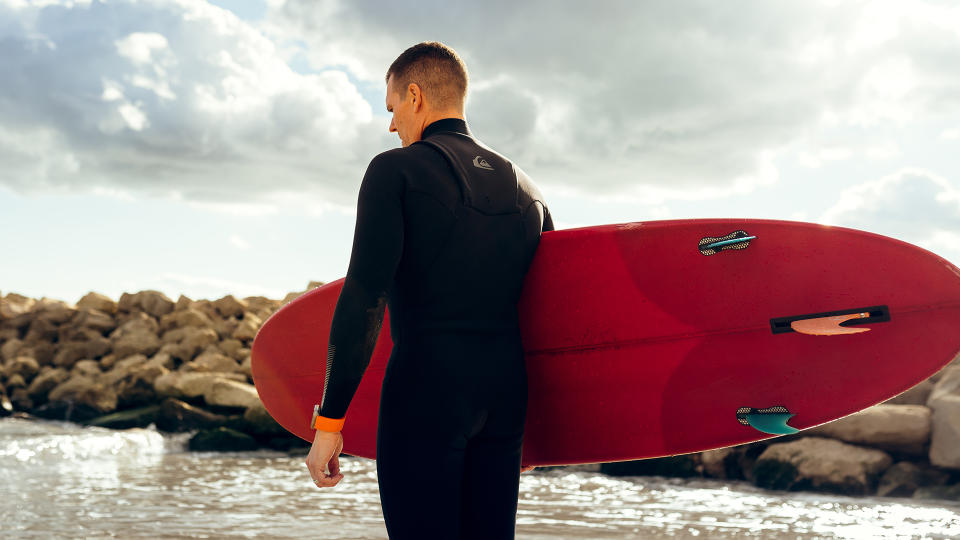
column 213, row 148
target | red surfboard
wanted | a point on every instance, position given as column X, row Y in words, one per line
column 659, row 338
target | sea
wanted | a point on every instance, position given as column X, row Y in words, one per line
column 62, row 480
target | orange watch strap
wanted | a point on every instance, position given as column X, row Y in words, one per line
column 328, row 424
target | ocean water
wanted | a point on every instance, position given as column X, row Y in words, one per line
column 60, row 480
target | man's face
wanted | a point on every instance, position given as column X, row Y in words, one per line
column 400, row 102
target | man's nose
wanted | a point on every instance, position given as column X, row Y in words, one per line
column 393, row 126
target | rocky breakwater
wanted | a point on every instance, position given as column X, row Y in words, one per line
column 145, row 359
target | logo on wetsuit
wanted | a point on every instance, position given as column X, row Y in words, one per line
column 481, row 163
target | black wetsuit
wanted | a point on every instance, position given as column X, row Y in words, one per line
column 446, row 229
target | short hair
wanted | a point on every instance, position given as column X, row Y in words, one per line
column 436, row 68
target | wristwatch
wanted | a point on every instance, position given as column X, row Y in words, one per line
column 323, row 423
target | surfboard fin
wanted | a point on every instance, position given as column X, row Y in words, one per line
column 772, row 420
column 829, row 326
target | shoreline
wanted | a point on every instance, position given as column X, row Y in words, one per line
column 185, row 366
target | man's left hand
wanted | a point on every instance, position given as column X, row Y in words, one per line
column 325, row 453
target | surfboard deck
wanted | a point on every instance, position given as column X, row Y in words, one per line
column 660, row 338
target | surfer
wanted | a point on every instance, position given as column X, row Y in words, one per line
column 446, row 230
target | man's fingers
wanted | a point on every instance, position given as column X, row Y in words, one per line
column 328, row 481
column 334, row 465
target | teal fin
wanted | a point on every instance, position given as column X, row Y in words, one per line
column 773, row 423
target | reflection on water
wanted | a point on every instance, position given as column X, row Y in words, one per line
column 61, row 480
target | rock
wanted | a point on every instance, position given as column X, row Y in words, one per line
column 107, row 362
column 290, row 297
column 132, row 418
column 56, row 312
column 16, row 381
column 10, row 349
column 902, row 479
column 815, row 463
column 945, row 441
column 134, row 341
column 41, row 330
column 20, row 399
column 152, row 302
column 226, row 327
column 190, row 341
column 948, row 384
column 45, row 381
column 175, row 415
column 43, row 352
column 182, row 303
column 84, row 390
column 715, row 462
column 21, row 322
column 179, row 384
column 221, row 439
column 25, row 366
column 259, row 421
column 247, row 366
column 229, row 306
column 188, row 317
column 248, row 327
column 948, row 493
column 916, row 395
column 675, row 466
column 6, row 334
column 224, row 393
column 13, row 305
column 98, row 302
column 314, row 285
column 212, row 362
column 895, row 428
column 88, row 368
column 260, row 304
column 230, row 347
column 955, row 363
column 92, row 319
column 81, row 343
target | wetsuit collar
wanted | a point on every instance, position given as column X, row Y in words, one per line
column 446, row 124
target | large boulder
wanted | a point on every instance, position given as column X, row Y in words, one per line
column 185, row 317
column 54, row 311
column 25, row 366
column 903, row 479
column 259, row 421
column 85, row 391
column 212, row 361
column 11, row 349
column 45, row 381
column 895, row 428
column 136, row 335
column 176, row 415
column 93, row 319
column 152, row 302
column 248, row 327
column 99, row 302
column 229, row 306
column 179, row 384
column 820, row 464
column 13, row 305
column 945, row 442
column 131, row 418
column 41, row 330
column 225, row 393
column 221, row 439
column 79, row 343
column 188, row 341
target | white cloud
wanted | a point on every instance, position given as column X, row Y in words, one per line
column 914, row 205
column 169, row 97
column 671, row 97
column 238, row 242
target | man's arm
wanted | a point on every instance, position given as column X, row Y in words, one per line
column 377, row 247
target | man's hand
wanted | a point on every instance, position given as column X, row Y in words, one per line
column 325, row 452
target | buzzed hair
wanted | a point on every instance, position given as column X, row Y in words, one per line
column 437, row 69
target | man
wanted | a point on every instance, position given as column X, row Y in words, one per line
column 446, row 229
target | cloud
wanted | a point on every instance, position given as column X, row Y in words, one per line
column 171, row 97
column 658, row 97
column 913, row 205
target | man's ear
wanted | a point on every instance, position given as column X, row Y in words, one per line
column 415, row 94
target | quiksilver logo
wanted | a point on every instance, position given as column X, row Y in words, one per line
column 481, row 163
